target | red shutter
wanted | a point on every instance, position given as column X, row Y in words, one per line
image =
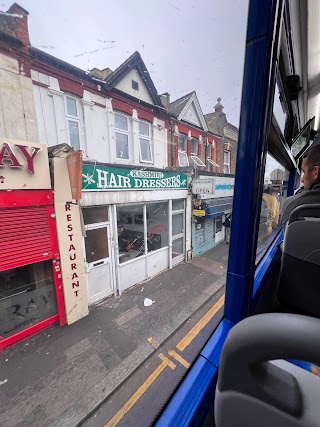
column 24, row 236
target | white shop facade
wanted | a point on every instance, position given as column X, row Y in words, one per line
column 212, row 200
column 135, row 225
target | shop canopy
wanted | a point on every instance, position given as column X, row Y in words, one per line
column 217, row 207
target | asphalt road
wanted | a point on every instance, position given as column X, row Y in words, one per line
column 142, row 397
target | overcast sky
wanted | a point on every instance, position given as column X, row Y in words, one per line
column 186, row 44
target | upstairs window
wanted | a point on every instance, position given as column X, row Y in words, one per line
column 226, row 161
column 194, row 146
column 211, row 163
column 145, row 142
column 122, row 136
column 197, row 162
column 73, row 122
column 182, row 150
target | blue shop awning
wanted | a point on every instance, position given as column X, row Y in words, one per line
column 218, row 207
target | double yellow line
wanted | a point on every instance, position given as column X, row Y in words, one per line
column 185, row 341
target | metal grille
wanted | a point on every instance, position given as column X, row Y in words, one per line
column 24, row 236
column 203, row 238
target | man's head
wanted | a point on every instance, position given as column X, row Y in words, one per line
column 311, row 167
column 120, row 229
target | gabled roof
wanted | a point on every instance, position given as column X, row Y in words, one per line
column 134, row 62
column 179, row 107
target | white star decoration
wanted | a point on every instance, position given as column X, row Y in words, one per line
column 88, row 179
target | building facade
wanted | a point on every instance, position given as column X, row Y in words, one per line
column 141, row 153
column 208, row 145
column 135, row 209
column 32, row 295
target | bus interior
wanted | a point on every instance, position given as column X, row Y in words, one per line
column 260, row 366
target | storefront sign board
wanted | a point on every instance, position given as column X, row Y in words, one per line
column 199, row 212
column 222, row 187
column 105, row 178
column 202, row 186
column 24, row 165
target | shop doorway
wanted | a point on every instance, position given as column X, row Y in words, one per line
column 178, row 231
column 98, row 252
column 220, row 230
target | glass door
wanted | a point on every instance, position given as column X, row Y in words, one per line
column 98, row 253
column 178, row 231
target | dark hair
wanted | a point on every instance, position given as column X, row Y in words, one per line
column 312, row 157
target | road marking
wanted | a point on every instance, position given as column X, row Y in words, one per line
column 180, row 359
column 153, row 343
column 167, row 361
column 136, row 396
column 187, row 339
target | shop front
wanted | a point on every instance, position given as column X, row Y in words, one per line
column 135, row 224
column 31, row 295
column 212, row 201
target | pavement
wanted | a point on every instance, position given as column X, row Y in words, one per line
column 58, row 376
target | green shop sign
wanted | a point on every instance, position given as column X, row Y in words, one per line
column 105, row 178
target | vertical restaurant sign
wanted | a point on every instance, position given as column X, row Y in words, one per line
column 106, row 178
column 24, row 165
column 74, row 162
column 70, row 244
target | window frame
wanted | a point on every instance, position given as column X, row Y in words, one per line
column 199, row 163
column 147, row 138
column 212, row 163
column 197, row 141
column 184, row 152
column 228, row 163
column 284, row 102
column 124, row 132
column 71, row 118
column 194, row 156
column 96, row 226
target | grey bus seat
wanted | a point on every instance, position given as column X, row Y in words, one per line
column 299, row 287
column 255, row 387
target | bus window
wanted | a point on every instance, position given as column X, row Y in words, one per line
column 279, row 108
column 274, row 192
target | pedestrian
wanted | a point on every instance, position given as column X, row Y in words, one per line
column 227, row 225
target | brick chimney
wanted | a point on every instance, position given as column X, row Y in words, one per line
column 165, row 100
column 17, row 25
column 101, row 74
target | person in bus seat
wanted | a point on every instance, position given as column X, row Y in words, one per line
column 311, row 182
column 273, row 208
column 269, row 213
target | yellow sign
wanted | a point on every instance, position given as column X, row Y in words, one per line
column 199, row 212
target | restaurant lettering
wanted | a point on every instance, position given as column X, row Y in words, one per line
column 72, row 252
column 106, row 178
column 8, row 157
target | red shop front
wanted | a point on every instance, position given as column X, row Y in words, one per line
column 31, row 294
